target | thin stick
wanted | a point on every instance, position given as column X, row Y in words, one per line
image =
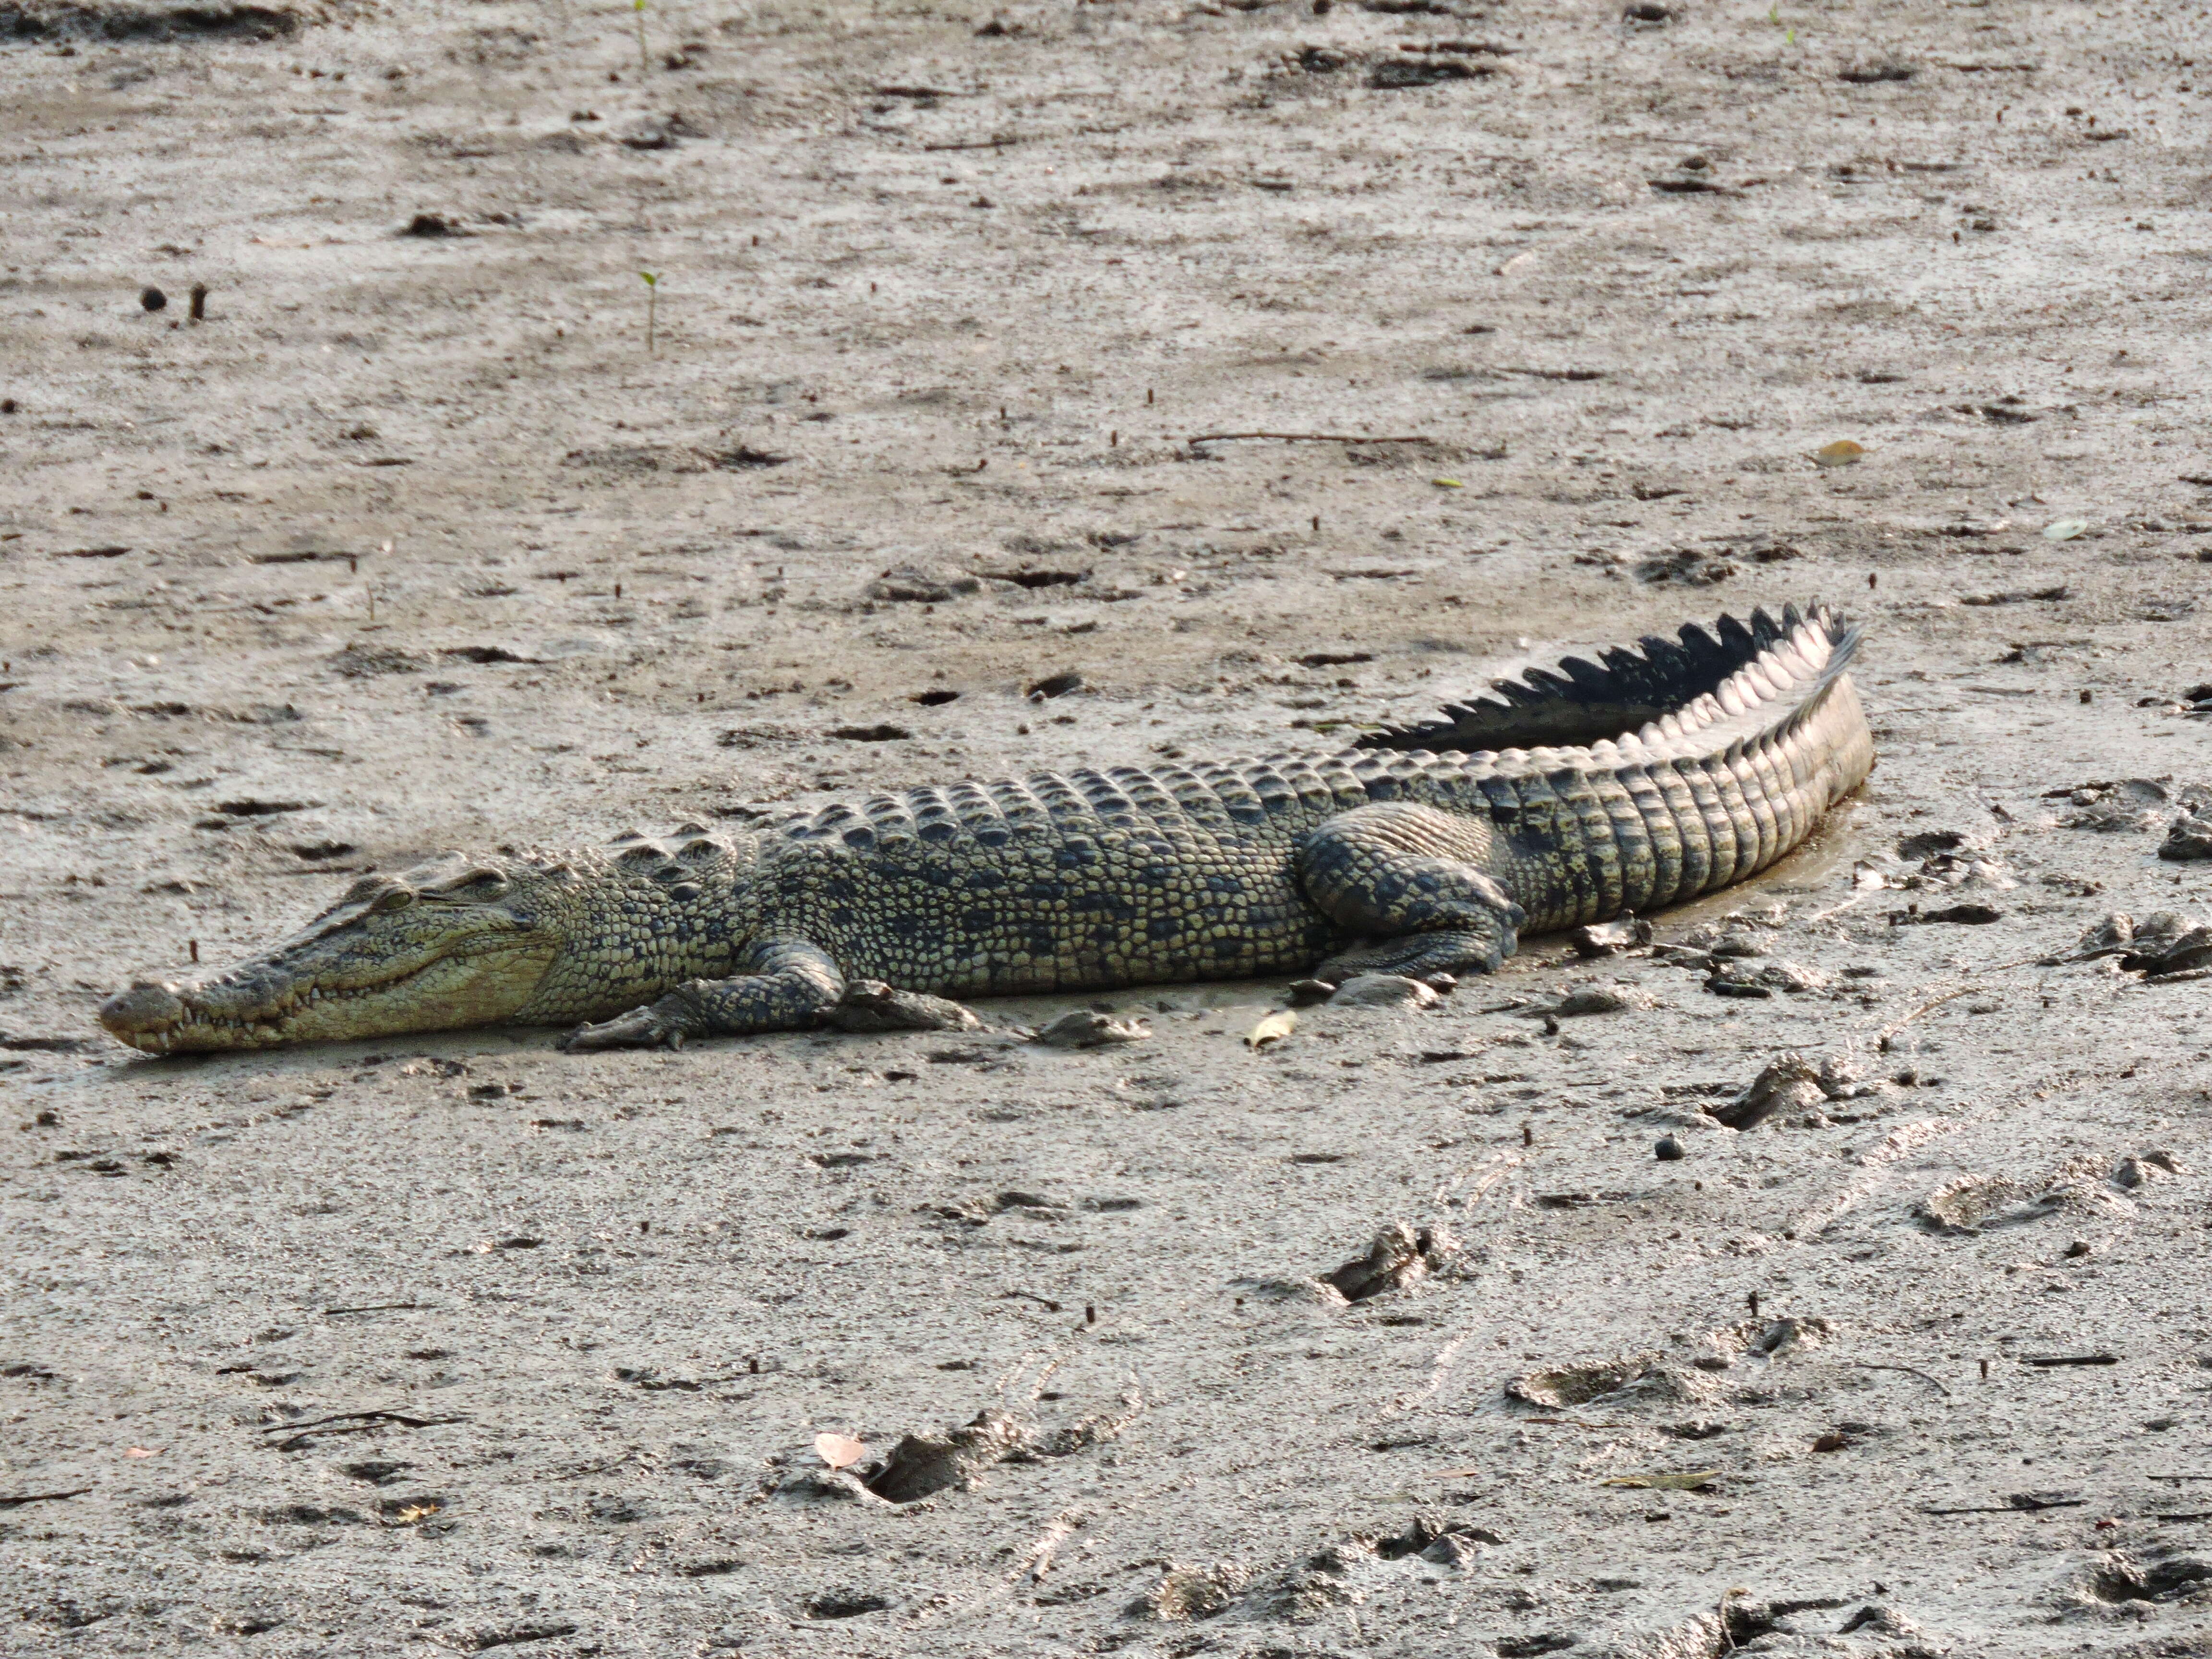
column 1868, row 1366
column 652, row 289
column 976, row 143
column 1881, row 1043
column 18, row 1500
column 1300, row 438
column 644, row 62
column 1839, row 909
column 298, row 1434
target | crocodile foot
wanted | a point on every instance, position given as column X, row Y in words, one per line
column 641, row 1027
column 869, row 1004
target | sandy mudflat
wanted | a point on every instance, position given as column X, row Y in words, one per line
column 463, row 1345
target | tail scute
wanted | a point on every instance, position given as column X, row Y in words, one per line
column 1582, row 701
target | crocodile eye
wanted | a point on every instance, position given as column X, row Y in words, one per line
column 398, row 899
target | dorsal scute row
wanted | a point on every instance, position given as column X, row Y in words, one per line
column 674, row 858
column 1632, row 689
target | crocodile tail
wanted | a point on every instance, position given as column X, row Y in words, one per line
column 1580, row 702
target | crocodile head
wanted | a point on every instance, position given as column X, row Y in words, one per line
column 446, row 945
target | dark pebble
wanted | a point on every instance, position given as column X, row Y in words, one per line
column 1668, row 1151
column 152, row 299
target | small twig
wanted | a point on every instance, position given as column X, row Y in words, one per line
column 20, row 1498
column 297, row 1435
column 2027, row 1503
column 2045, row 1361
column 1881, row 1043
column 1300, row 438
column 1044, row 1302
column 1839, row 909
column 1999, row 1508
column 373, row 1307
column 1868, row 1366
column 977, row 143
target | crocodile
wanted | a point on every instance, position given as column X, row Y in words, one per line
column 1568, row 796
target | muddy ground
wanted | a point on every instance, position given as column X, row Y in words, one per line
column 464, row 1345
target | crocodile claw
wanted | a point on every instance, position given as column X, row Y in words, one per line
column 641, row 1027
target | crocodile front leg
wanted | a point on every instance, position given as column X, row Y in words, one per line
column 789, row 985
column 1409, row 880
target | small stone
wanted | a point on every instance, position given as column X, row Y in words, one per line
column 1382, row 991
column 2189, row 839
column 1603, row 999
column 1606, row 938
column 1085, row 1028
column 1668, row 1151
column 152, row 299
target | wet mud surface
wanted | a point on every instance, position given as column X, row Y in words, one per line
column 1833, row 1285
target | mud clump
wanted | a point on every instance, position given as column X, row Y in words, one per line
column 2175, row 1578
column 908, row 584
column 920, row 1465
column 30, row 20
column 1559, row 1387
column 1792, row 1092
column 1399, row 1256
column 1185, row 1594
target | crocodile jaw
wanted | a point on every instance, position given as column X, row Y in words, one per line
column 263, row 1005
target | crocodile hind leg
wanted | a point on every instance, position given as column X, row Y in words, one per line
column 1409, row 881
column 791, row 984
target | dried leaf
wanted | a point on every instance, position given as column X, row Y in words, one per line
column 2065, row 530
column 840, row 1452
column 1452, row 1474
column 1695, row 1480
column 408, row 1514
column 1842, row 452
column 1447, row 484
column 1272, row 1030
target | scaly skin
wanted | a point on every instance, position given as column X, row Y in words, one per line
column 1701, row 764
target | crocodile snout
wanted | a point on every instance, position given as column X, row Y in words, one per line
column 146, row 1006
